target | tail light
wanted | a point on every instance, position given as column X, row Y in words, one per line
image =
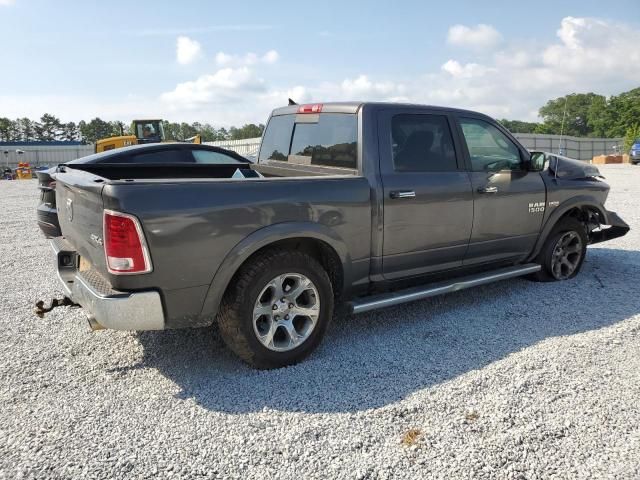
column 124, row 245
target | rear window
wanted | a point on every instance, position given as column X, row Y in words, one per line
column 328, row 139
column 159, row 156
column 212, row 157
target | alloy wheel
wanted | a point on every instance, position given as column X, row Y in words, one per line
column 286, row 312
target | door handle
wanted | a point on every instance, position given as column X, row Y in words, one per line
column 402, row 194
column 488, row 190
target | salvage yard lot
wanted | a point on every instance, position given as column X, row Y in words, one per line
column 510, row 380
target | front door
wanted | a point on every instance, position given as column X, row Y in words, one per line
column 509, row 200
column 428, row 201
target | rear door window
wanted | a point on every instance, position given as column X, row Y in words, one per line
column 327, row 139
column 422, row 143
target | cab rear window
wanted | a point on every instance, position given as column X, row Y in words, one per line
column 327, row 139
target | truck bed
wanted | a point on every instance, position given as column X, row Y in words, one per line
column 193, row 217
column 142, row 171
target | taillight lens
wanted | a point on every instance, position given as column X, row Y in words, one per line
column 313, row 108
column 124, row 244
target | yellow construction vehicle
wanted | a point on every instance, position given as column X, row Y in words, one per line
column 143, row 131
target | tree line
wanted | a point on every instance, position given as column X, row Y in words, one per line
column 50, row 128
column 576, row 114
column 587, row 115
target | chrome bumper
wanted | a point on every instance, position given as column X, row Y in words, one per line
column 105, row 307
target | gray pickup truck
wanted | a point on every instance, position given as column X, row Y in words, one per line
column 366, row 205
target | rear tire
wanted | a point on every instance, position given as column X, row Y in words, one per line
column 563, row 252
column 277, row 309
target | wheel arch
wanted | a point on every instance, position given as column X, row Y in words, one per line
column 315, row 239
column 577, row 207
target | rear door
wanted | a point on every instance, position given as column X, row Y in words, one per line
column 428, row 202
column 509, row 200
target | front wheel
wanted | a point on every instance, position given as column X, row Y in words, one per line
column 277, row 310
column 563, row 252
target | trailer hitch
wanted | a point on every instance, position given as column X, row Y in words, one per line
column 40, row 309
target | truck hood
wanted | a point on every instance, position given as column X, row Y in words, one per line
column 564, row 167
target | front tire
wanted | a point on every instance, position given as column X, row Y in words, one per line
column 277, row 309
column 563, row 252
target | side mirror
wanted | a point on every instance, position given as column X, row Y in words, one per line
column 537, row 161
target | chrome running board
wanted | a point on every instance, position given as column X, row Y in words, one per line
column 365, row 304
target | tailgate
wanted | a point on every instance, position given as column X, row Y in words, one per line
column 79, row 205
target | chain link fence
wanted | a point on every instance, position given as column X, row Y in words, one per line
column 580, row 148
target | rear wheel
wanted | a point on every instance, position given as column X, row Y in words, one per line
column 277, row 310
column 563, row 252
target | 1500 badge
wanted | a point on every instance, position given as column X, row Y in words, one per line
column 536, row 207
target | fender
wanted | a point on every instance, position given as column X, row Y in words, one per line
column 559, row 212
column 262, row 238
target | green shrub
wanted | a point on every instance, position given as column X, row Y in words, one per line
column 631, row 135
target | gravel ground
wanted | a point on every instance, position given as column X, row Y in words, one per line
column 511, row 380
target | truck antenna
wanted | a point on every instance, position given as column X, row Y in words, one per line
column 564, row 115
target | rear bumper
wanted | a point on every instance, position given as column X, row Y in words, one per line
column 105, row 307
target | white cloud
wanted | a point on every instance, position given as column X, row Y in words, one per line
column 223, row 86
column 583, row 32
column 187, row 50
column 223, row 59
column 270, row 57
column 479, row 37
column 596, row 48
column 248, row 59
column 7, row 3
column 511, row 81
column 362, row 87
column 468, row 70
column 513, row 58
column 298, row 94
column 590, row 55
